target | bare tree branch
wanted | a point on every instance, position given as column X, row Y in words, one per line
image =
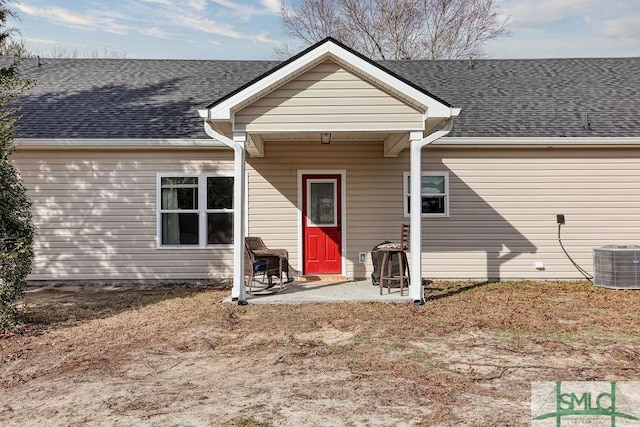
column 95, row 53
column 397, row 29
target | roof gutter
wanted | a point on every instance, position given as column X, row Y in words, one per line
column 114, row 144
column 537, row 142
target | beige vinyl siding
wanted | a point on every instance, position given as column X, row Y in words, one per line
column 503, row 204
column 373, row 194
column 95, row 214
column 95, row 211
column 327, row 97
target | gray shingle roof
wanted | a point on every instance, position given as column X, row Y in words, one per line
column 130, row 98
column 535, row 97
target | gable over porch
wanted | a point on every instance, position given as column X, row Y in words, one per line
column 327, row 92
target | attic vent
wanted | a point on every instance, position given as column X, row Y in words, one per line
column 617, row 266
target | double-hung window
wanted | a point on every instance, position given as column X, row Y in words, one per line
column 194, row 210
column 434, row 190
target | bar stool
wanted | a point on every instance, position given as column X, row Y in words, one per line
column 399, row 251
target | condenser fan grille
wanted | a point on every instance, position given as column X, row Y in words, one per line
column 617, row 266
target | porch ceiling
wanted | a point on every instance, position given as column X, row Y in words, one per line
column 394, row 142
column 315, row 136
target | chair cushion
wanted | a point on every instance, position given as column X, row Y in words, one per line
column 391, row 247
column 259, row 265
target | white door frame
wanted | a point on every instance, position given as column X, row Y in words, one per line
column 343, row 213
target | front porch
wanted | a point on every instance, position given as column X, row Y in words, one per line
column 370, row 124
column 304, row 292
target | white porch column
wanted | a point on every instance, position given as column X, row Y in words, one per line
column 238, row 143
column 238, row 292
column 416, row 290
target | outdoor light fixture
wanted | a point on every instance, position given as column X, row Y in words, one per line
column 325, row 138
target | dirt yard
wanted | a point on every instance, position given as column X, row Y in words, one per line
column 177, row 356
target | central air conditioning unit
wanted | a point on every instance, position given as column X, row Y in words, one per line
column 617, row 266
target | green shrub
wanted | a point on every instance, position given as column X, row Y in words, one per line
column 16, row 227
column 16, row 238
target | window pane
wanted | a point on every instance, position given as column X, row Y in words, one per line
column 432, row 185
column 321, row 203
column 179, row 229
column 433, row 205
column 430, row 205
column 219, row 193
column 219, row 228
column 179, row 192
column 179, row 181
column 180, row 198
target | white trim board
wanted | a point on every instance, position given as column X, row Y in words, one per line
column 327, row 50
column 116, row 144
column 530, row 142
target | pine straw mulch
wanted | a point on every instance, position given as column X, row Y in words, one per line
column 161, row 354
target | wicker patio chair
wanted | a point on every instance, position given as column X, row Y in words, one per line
column 277, row 259
column 252, row 267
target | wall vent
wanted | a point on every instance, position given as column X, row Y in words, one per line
column 617, row 266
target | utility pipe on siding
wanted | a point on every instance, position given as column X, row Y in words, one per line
column 416, row 290
column 238, row 292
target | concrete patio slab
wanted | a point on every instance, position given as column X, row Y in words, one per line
column 325, row 291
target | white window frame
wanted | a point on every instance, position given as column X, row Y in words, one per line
column 202, row 210
column 446, row 195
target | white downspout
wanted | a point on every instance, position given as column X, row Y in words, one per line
column 238, row 292
column 416, row 290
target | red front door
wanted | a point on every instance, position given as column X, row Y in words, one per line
column 322, row 224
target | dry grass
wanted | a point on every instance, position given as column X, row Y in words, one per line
column 465, row 358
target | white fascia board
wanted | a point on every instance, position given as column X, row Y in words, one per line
column 538, row 142
column 223, row 110
column 115, row 144
column 431, row 114
column 434, row 108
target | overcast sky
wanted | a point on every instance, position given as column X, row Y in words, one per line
column 250, row 29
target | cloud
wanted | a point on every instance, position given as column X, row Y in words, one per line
column 95, row 20
column 195, row 21
column 623, row 29
column 245, row 12
column 178, row 20
column 199, row 5
column 569, row 28
column 532, row 14
column 231, row 5
column 207, row 26
column 552, row 28
column 272, row 5
column 155, row 32
column 535, row 13
column 162, row 2
column 55, row 14
column 264, row 38
column 40, row 41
